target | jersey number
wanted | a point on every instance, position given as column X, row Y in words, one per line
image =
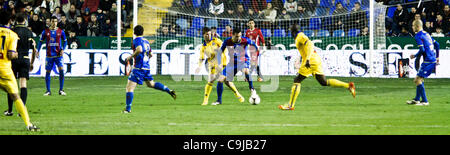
column 3, row 42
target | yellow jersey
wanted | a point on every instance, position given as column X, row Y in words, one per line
column 305, row 47
column 210, row 50
column 8, row 42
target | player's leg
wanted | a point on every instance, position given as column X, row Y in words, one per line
column 233, row 88
column 208, row 87
column 9, row 112
column 258, row 70
column 219, row 89
column 157, row 85
column 10, row 86
column 59, row 63
column 131, row 85
column 336, row 83
column 250, row 81
column 49, row 62
column 24, row 76
column 295, row 91
column 424, row 71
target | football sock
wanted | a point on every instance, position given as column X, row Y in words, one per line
column 161, row 87
column 418, row 92
column 22, row 111
column 129, row 100
column 10, row 103
column 23, row 95
column 249, row 80
column 219, row 91
column 337, row 83
column 61, row 79
column 208, row 89
column 295, row 90
column 47, row 81
column 424, row 96
column 258, row 71
column 233, row 88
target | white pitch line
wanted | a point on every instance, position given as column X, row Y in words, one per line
column 307, row 125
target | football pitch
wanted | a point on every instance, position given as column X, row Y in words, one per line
column 93, row 106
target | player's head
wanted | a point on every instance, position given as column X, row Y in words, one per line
column 138, row 30
column 5, row 17
column 251, row 23
column 20, row 19
column 236, row 36
column 294, row 30
column 53, row 22
column 417, row 25
column 207, row 34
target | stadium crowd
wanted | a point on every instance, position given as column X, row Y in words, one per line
column 82, row 17
column 317, row 17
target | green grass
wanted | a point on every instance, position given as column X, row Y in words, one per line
column 93, row 106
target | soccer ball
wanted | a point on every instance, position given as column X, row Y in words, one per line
column 254, row 99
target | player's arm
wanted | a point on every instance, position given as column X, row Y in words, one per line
column 220, row 52
column 11, row 50
column 421, row 48
column 436, row 47
column 63, row 35
column 201, row 59
column 309, row 48
column 41, row 40
column 34, row 54
column 136, row 52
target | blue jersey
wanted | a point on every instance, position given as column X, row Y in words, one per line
column 53, row 40
column 427, row 46
column 142, row 60
column 238, row 51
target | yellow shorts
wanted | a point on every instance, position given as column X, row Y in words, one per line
column 8, row 82
column 213, row 68
column 316, row 67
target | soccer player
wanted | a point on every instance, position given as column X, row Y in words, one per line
column 141, row 69
column 238, row 52
column 209, row 48
column 54, row 37
column 311, row 64
column 8, row 83
column 256, row 36
column 427, row 48
column 21, row 66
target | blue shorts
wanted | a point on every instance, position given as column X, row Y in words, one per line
column 426, row 69
column 49, row 62
column 231, row 70
column 140, row 75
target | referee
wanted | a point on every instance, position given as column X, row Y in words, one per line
column 21, row 66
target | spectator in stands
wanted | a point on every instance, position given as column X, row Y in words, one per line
column 240, row 11
column 91, row 4
column 428, row 27
column 79, row 4
column 43, row 14
column 405, row 32
column 86, row 15
column 339, row 9
column 112, row 14
column 64, row 24
column 28, row 11
column 358, row 18
column 108, row 28
column 105, row 5
column 269, row 13
column 441, row 23
column 175, row 30
column 284, row 21
column 364, row 31
column 165, row 32
column 73, row 41
column 290, row 6
column 216, row 8
column 48, row 23
column 446, row 12
column 72, row 14
column 94, row 27
column 36, row 25
column 80, row 27
column 57, row 13
column 251, row 14
column 400, row 18
column 228, row 31
column 308, row 5
column 412, row 15
column 229, row 14
column 101, row 17
column 416, row 16
column 438, row 33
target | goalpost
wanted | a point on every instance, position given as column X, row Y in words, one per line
column 349, row 38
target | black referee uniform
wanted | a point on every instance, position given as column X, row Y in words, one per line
column 21, row 65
